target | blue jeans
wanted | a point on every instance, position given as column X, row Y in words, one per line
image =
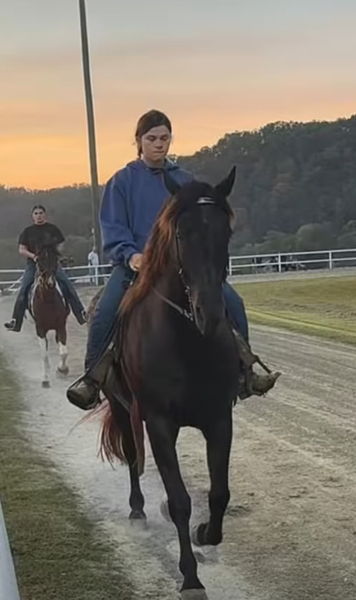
column 64, row 283
column 105, row 316
column 236, row 310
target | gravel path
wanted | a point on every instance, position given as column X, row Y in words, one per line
column 290, row 531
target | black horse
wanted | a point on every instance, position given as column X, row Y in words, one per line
column 178, row 363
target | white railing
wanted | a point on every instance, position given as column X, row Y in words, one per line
column 10, row 279
column 238, row 265
column 292, row 261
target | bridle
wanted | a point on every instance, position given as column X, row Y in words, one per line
column 188, row 314
column 44, row 276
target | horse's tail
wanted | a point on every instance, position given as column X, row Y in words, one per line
column 111, row 437
column 111, row 440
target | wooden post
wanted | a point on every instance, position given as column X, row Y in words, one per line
column 91, row 129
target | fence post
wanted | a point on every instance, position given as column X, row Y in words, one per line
column 230, row 266
column 330, row 259
column 279, row 263
column 8, row 583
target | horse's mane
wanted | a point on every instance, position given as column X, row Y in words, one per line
column 155, row 256
column 157, row 251
column 49, row 249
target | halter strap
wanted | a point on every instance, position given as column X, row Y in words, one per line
column 188, row 314
column 206, row 200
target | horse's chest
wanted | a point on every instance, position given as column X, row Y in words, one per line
column 190, row 379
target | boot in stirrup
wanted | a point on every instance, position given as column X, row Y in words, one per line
column 85, row 391
column 251, row 383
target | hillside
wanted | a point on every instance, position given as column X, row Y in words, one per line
column 296, row 189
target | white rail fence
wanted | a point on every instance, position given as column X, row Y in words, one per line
column 10, row 279
column 296, row 261
column 238, row 265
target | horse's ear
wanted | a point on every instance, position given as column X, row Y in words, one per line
column 172, row 186
column 224, row 188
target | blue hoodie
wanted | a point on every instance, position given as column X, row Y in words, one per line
column 131, row 202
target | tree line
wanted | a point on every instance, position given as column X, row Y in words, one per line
column 295, row 191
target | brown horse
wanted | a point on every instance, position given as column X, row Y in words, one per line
column 177, row 361
column 49, row 310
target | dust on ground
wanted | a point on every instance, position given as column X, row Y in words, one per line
column 290, row 530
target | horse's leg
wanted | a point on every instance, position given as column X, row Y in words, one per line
column 137, row 500
column 163, row 436
column 63, row 352
column 45, row 359
column 219, row 437
column 113, row 392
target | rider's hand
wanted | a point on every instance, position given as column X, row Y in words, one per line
column 34, row 258
column 135, row 262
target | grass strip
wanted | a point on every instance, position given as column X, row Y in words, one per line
column 58, row 551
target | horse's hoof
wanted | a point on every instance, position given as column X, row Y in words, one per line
column 46, row 384
column 138, row 518
column 194, row 595
column 63, row 372
column 165, row 510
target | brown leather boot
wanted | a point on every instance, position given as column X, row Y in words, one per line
column 251, row 383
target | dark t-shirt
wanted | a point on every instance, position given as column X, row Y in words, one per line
column 35, row 237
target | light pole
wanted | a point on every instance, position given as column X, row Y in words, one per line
column 91, row 128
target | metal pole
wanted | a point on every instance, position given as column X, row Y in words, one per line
column 8, row 583
column 91, row 128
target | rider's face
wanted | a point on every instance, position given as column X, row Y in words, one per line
column 38, row 216
column 155, row 144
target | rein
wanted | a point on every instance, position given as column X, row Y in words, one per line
column 182, row 311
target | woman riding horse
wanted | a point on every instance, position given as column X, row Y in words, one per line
column 131, row 202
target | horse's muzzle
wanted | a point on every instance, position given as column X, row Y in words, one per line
column 208, row 314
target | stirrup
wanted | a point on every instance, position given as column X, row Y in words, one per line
column 93, row 378
column 84, row 394
column 252, row 384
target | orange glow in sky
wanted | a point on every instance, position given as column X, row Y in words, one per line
column 221, row 72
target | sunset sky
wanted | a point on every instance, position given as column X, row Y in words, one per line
column 213, row 66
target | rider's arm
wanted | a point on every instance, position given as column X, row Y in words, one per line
column 24, row 251
column 118, row 241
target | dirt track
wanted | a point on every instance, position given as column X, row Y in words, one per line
column 290, row 532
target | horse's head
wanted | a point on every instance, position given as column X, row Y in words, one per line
column 202, row 230
column 188, row 249
column 47, row 265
